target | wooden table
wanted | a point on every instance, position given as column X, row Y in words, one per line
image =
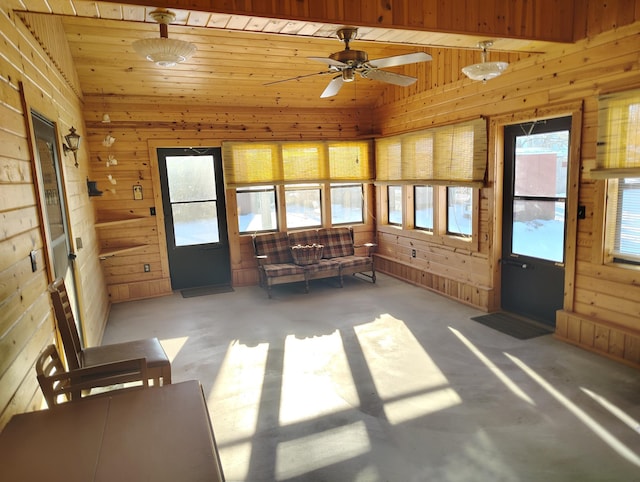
column 156, row 434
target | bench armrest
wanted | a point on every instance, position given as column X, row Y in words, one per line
column 369, row 246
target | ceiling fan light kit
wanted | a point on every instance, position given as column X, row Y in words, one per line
column 164, row 51
column 484, row 70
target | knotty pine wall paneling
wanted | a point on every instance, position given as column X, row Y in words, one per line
column 26, row 317
column 140, row 127
column 602, row 305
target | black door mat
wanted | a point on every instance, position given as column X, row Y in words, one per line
column 205, row 290
column 513, row 325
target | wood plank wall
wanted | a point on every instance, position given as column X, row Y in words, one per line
column 26, row 318
column 139, row 127
column 604, row 319
column 602, row 311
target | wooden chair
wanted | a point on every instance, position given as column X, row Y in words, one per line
column 158, row 364
column 59, row 386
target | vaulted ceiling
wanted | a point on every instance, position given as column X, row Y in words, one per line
column 238, row 54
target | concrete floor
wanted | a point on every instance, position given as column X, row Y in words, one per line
column 389, row 382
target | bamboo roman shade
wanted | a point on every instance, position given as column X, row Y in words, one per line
column 453, row 154
column 618, row 150
column 261, row 163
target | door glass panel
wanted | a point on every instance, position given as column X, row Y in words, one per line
column 538, row 229
column 192, row 193
column 195, row 223
column 539, row 195
column 541, row 164
column 191, row 178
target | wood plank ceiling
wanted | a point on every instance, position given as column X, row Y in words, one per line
column 237, row 54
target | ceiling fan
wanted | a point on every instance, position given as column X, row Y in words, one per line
column 348, row 62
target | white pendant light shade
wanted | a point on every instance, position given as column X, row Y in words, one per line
column 485, row 70
column 164, row 51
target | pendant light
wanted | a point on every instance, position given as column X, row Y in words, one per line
column 164, row 51
column 484, row 70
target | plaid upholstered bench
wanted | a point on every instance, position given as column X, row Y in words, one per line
column 302, row 256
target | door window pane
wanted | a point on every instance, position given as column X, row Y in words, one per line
column 302, row 204
column 394, row 204
column 192, row 193
column 459, row 210
column 257, row 209
column 541, row 164
column 540, row 189
column 346, row 203
column 191, row 178
column 423, row 206
column 195, row 223
column 538, row 229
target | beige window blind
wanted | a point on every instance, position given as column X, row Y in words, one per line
column 453, row 154
column 260, row 163
column 618, row 149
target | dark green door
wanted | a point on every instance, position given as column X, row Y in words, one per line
column 195, row 217
column 536, row 158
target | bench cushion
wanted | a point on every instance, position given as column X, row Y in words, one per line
column 275, row 246
column 337, row 242
column 275, row 270
column 306, row 237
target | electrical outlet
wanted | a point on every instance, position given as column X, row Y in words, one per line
column 147, row 268
column 413, row 253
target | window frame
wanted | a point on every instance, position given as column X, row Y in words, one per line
column 612, row 255
column 433, row 208
column 439, row 235
column 402, row 202
column 319, row 187
column 259, row 188
column 338, row 185
column 448, row 231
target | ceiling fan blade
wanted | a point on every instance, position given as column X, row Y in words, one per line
column 333, row 88
column 388, row 77
column 328, row 61
column 399, row 60
column 300, row 77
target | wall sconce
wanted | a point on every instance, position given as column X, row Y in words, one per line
column 73, row 142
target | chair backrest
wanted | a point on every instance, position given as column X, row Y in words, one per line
column 49, row 364
column 60, row 386
column 66, row 324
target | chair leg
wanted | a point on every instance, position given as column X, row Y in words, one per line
column 166, row 375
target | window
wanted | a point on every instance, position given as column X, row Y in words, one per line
column 290, row 177
column 257, row 209
column 346, row 203
column 394, row 204
column 303, row 206
column 423, row 207
column 618, row 161
column 459, row 210
column 624, row 220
